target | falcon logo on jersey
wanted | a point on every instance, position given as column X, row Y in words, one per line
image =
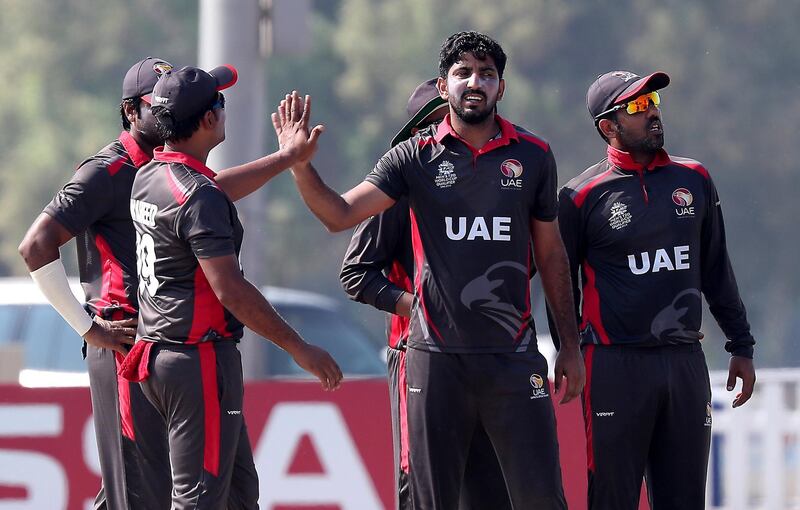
column 708, row 414
column 446, row 176
column 661, row 260
column 539, row 391
column 512, row 170
column 683, row 199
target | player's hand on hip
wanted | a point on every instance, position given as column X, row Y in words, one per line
column 569, row 364
column 112, row 335
column 317, row 361
column 291, row 123
column 741, row 368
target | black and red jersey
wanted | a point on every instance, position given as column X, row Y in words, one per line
column 379, row 264
column 93, row 206
column 181, row 215
column 648, row 242
column 470, row 214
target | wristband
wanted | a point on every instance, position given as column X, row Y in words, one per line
column 52, row 281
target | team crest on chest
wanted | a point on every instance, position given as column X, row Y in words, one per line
column 620, row 217
column 512, row 173
column 683, row 198
column 446, row 176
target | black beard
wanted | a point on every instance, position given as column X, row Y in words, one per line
column 471, row 116
column 647, row 144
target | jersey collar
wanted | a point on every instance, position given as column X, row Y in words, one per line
column 159, row 154
column 139, row 157
column 624, row 161
column 508, row 133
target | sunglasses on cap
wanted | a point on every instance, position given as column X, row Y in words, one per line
column 219, row 102
column 640, row 104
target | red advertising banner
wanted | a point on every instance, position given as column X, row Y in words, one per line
column 314, row 450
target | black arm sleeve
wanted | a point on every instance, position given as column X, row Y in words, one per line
column 719, row 283
column 375, row 245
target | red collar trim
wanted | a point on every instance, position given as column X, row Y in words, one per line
column 139, row 157
column 623, row 160
column 159, row 154
column 507, row 133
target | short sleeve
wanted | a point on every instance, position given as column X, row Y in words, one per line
column 83, row 200
column 545, row 200
column 389, row 175
column 205, row 222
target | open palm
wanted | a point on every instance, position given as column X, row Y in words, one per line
column 291, row 123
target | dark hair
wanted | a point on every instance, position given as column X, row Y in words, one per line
column 170, row 130
column 136, row 103
column 480, row 45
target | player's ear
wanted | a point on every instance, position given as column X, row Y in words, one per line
column 501, row 90
column 608, row 128
column 441, row 86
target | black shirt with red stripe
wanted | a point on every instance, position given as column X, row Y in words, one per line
column 181, row 215
column 378, row 265
column 470, row 214
column 647, row 243
column 93, row 206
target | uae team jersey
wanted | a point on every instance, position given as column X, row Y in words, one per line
column 470, row 216
column 93, row 206
column 181, row 215
column 648, row 242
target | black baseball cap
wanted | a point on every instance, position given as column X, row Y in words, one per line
column 423, row 101
column 617, row 86
column 142, row 77
column 190, row 90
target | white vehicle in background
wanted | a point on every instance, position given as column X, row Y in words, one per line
column 39, row 349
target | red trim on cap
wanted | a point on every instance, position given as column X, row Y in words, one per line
column 139, row 157
column 147, row 98
column 159, row 154
column 588, row 359
column 211, row 414
column 642, row 84
column 591, row 305
column 233, row 80
column 624, row 161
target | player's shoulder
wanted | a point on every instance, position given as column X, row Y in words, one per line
column 690, row 164
column 528, row 137
column 186, row 183
column 107, row 161
column 578, row 188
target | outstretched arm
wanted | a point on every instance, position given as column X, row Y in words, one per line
column 336, row 212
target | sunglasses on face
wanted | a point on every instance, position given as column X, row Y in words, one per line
column 220, row 102
column 640, row 104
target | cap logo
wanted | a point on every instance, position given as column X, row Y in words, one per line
column 682, row 197
column 161, row 67
column 161, row 99
column 511, row 168
column 624, row 75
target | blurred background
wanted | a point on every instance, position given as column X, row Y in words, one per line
column 733, row 104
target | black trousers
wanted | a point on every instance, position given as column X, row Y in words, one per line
column 199, row 391
column 451, row 395
column 131, row 440
column 483, row 487
column 647, row 413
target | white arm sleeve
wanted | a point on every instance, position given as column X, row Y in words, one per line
column 52, row 281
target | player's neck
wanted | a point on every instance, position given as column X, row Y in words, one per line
column 477, row 135
column 196, row 150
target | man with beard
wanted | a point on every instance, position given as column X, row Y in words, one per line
column 479, row 190
column 645, row 231
column 377, row 270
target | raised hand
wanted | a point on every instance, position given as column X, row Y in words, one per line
column 291, row 123
column 112, row 335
